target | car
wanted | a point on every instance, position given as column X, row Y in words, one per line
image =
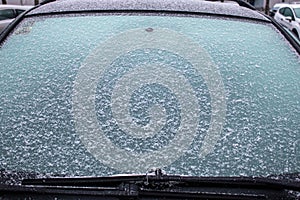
column 289, row 17
column 9, row 12
column 135, row 99
column 274, row 9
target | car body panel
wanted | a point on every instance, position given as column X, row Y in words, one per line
column 287, row 17
column 275, row 8
column 9, row 12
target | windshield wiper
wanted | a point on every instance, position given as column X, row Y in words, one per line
column 162, row 186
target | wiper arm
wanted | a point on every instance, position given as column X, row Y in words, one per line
column 159, row 186
column 133, row 187
column 168, row 180
column 178, row 186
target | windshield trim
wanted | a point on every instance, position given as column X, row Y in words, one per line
column 148, row 12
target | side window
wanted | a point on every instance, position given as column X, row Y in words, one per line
column 281, row 11
column 288, row 13
column 7, row 14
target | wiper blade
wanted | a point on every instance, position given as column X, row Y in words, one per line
column 176, row 186
column 166, row 180
column 158, row 186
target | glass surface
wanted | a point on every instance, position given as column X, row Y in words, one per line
column 288, row 12
column 7, row 14
column 297, row 12
column 281, row 11
column 102, row 95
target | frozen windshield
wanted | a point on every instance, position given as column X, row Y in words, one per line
column 102, row 95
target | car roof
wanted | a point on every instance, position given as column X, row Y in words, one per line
column 295, row 5
column 2, row 7
column 292, row 5
column 278, row 5
column 191, row 6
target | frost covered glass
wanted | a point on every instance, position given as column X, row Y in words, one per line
column 102, row 95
